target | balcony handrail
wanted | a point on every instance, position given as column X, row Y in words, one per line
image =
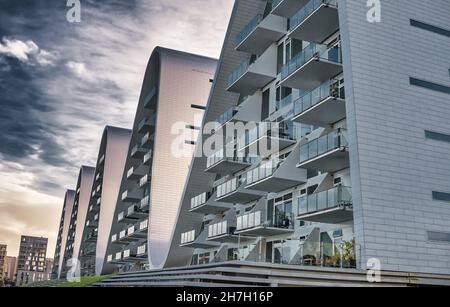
column 249, row 27
column 238, row 72
column 325, row 52
column 219, row 229
column 220, row 156
column 229, row 186
column 332, row 198
column 282, row 130
column 327, row 89
column 263, row 171
column 199, row 200
column 307, row 10
column 226, row 116
column 188, row 237
column 143, row 180
column 145, row 201
column 284, row 102
column 324, row 144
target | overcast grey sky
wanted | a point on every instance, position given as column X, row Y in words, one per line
column 61, row 83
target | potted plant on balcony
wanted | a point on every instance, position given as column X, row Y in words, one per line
column 348, row 254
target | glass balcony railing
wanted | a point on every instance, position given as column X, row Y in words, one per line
column 199, row 200
column 147, row 157
column 332, row 54
column 227, row 116
column 330, row 88
column 283, row 220
column 218, row 229
column 219, row 157
column 306, row 11
column 254, row 22
column 141, row 250
column 229, row 187
column 264, row 171
column 283, row 130
column 145, row 202
column 144, row 180
column 324, row 144
column 238, row 72
column 275, row 3
column 188, row 237
column 284, row 102
column 324, row 200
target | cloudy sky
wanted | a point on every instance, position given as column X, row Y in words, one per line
column 61, row 83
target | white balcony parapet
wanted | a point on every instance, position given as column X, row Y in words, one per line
column 218, row 229
column 188, row 237
column 142, row 249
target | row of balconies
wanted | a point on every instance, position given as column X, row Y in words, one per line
column 311, row 21
column 133, row 233
column 328, row 206
column 128, row 255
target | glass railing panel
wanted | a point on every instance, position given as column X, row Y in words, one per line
column 254, row 22
column 312, row 50
column 330, row 88
column 307, row 10
column 322, row 145
column 238, row 72
column 324, row 200
column 227, row 116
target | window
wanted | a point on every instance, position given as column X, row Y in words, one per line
column 437, row 136
column 439, row 236
column 429, row 27
column 441, row 196
column 430, row 85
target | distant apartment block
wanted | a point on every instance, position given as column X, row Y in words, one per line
column 31, row 263
column 10, row 268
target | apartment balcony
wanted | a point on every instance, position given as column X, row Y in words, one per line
column 206, row 203
column 286, row 8
column 131, row 196
column 137, row 152
column 132, row 214
column 146, row 124
column 255, row 224
column 144, row 204
column 253, row 74
column 98, row 177
column 328, row 153
column 234, row 191
column 260, row 33
column 315, row 22
column 150, row 99
column 312, row 66
column 323, row 106
column 88, row 252
column 101, row 160
column 138, row 231
column 333, row 206
column 95, row 194
column 218, row 163
column 141, row 251
column 276, row 175
column 147, row 159
column 221, row 232
column 91, row 237
column 147, row 140
column 189, row 239
column 92, row 223
column 136, row 173
column 119, row 238
column 130, row 255
column 266, row 138
column 145, row 180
